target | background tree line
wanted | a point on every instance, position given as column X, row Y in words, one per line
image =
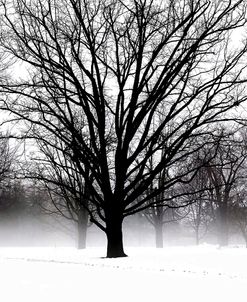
column 214, row 200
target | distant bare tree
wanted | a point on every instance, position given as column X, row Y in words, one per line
column 8, row 185
column 200, row 211
column 6, row 158
column 65, row 186
column 99, row 74
column 224, row 172
column 159, row 215
column 163, row 208
column 238, row 212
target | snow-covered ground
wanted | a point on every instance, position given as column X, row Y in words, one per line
column 203, row 273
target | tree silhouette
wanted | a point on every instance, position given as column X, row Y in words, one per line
column 117, row 81
column 225, row 172
column 68, row 195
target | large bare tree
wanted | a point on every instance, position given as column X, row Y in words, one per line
column 100, row 75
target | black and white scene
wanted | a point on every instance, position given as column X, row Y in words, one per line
column 123, row 150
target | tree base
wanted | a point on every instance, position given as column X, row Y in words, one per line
column 115, row 251
column 116, row 255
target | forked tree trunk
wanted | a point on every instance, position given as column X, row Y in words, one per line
column 114, row 236
column 159, row 235
column 82, row 228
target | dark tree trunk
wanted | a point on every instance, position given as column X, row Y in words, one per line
column 159, row 235
column 82, row 228
column 244, row 235
column 197, row 236
column 223, row 225
column 114, row 235
column 223, row 238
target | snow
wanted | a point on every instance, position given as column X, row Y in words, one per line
column 203, row 273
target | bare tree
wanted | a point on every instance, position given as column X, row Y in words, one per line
column 225, row 172
column 158, row 214
column 8, row 185
column 238, row 206
column 99, row 72
column 197, row 192
column 200, row 211
column 6, row 158
column 68, row 195
column 238, row 212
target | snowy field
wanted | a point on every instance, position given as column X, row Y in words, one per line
column 200, row 274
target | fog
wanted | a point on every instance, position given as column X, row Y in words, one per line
column 56, row 231
column 40, row 260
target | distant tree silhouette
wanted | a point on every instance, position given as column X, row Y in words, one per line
column 65, row 186
column 12, row 195
column 100, row 74
column 224, row 172
column 200, row 211
column 159, row 212
column 238, row 212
